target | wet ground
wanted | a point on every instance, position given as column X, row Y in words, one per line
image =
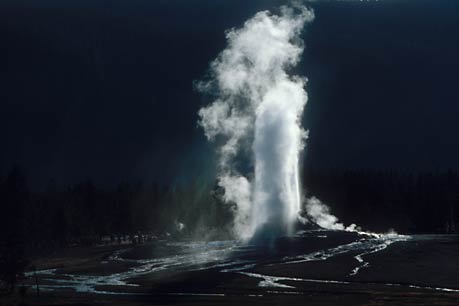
column 321, row 267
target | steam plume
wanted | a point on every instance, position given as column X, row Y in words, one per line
column 320, row 214
column 257, row 114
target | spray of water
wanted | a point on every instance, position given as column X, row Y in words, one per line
column 257, row 114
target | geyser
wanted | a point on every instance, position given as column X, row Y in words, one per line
column 257, row 114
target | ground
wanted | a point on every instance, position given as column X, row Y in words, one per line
column 312, row 268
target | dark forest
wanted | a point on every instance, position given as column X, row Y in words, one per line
column 84, row 214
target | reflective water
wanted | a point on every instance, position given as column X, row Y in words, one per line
column 245, row 260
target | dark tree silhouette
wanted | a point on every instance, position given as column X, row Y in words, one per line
column 14, row 198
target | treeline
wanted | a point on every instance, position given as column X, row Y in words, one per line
column 376, row 200
column 83, row 213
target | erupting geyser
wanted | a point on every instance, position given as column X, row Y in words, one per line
column 257, row 114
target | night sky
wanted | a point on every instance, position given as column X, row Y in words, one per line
column 104, row 89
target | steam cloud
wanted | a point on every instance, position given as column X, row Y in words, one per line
column 320, row 214
column 256, row 116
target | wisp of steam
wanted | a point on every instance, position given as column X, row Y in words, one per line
column 257, row 114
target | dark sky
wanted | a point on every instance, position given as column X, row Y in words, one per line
column 104, row 89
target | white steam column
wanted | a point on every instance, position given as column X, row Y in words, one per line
column 257, row 114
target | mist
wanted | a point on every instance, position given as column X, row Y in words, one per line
column 256, row 116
